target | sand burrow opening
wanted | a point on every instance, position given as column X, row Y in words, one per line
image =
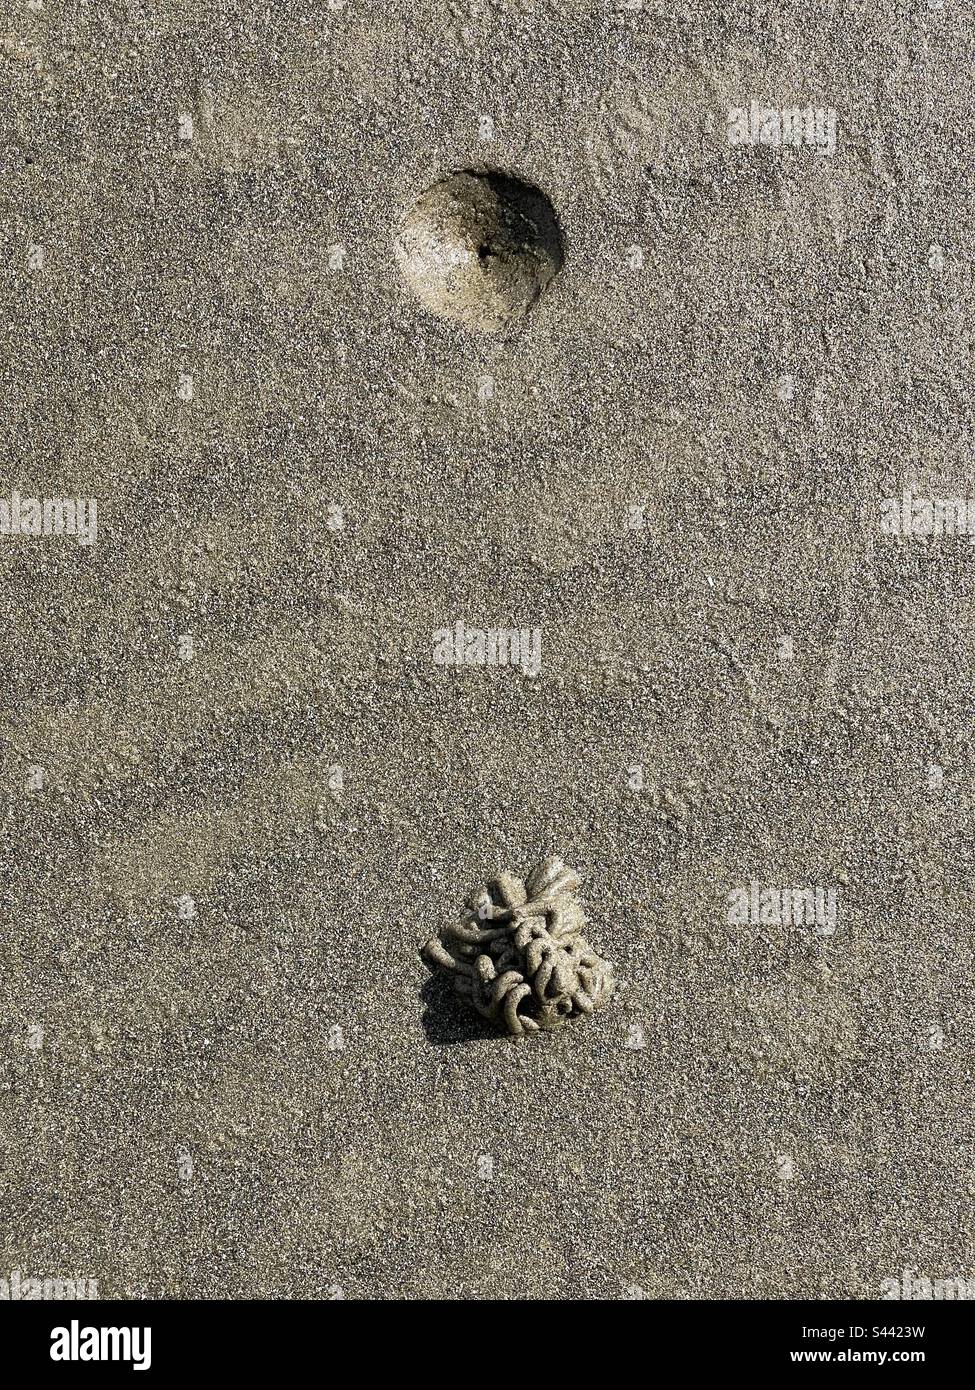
column 479, row 248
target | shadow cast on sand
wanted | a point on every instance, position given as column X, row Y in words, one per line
column 447, row 1020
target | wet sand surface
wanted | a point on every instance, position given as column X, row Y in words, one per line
column 238, row 791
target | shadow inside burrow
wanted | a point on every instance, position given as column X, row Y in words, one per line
column 447, row 1020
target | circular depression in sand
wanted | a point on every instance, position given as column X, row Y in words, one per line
column 479, row 248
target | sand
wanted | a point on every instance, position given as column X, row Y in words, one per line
column 238, row 790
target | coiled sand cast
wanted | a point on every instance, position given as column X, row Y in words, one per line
column 518, row 955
